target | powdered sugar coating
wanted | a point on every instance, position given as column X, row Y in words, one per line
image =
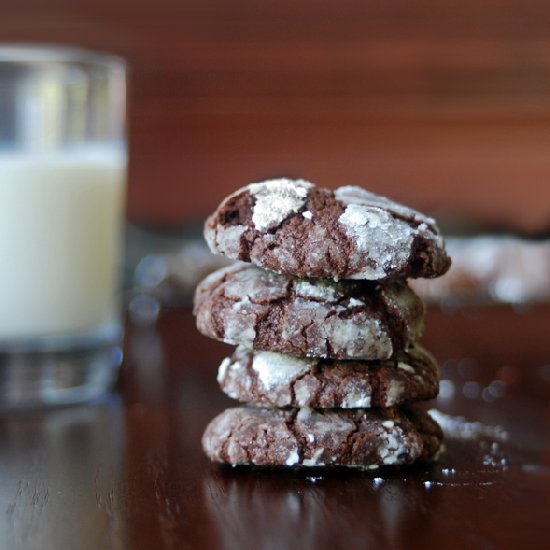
column 292, row 227
column 319, row 288
column 308, row 437
column 382, row 243
column 356, row 400
column 226, row 240
column 276, row 200
column 353, row 194
column 406, row 367
column 276, row 369
column 293, row 458
column 222, row 370
column 395, row 444
column 394, row 393
column 282, row 380
column 384, row 232
column 271, row 312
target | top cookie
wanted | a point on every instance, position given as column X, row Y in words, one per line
column 292, row 227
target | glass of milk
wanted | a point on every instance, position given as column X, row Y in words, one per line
column 62, row 189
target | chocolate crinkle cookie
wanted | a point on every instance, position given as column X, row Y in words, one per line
column 281, row 380
column 292, row 227
column 267, row 311
column 306, row 437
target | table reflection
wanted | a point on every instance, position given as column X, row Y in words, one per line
column 57, row 469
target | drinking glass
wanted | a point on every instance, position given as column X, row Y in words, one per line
column 62, row 188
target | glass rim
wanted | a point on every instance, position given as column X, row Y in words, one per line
column 37, row 53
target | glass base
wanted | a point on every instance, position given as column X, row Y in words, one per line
column 33, row 379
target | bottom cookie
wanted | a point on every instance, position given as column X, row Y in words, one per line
column 310, row 437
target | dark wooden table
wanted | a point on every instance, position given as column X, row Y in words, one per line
column 128, row 472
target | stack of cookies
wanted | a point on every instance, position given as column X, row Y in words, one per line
column 327, row 361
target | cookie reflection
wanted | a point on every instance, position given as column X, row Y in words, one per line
column 278, row 509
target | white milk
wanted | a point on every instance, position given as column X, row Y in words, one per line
column 60, row 236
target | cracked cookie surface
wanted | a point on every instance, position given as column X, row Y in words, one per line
column 292, row 227
column 266, row 311
column 309, row 437
column 281, row 380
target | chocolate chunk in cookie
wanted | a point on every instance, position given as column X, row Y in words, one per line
column 281, row 380
column 266, row 311
column 292, row 227
column 309, row 437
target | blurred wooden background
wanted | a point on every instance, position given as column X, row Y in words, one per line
column 442, row 104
